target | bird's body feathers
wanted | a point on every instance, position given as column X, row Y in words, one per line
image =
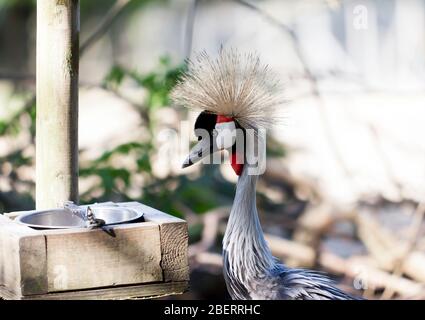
column 239, row 88
column 251, row 271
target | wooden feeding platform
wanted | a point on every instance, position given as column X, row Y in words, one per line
column 114, row 261
column 125, row 261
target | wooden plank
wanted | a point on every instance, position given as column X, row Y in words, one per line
column 12, row 215
column 9, row 258
column 151, row 214
column 4, row 219
column 22, row 258
column 145, row 291
column 93, row 258
column 68, row 260
column 174, row 241
column 33, row 264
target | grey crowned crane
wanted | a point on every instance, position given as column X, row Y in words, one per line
column 236, row 93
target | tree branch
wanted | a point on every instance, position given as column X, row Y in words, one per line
column 190, row 22
column 314, row 83
column 16, row 76
column 413, row 233
column 105, row 24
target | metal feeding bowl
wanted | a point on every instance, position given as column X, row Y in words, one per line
column 68, row 219
column 116, row 215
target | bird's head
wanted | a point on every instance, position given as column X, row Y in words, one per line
column 216, row 133
column 238, row 95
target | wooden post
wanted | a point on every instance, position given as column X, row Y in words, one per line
column 57, row 102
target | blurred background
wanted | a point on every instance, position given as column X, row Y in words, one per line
column 345, row 181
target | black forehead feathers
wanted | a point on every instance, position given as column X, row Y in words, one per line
column 205, row 121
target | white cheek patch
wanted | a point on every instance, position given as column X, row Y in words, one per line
column 226, row 134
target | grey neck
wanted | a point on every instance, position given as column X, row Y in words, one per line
column 244, row 245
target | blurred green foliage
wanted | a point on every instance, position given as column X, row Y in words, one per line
column 115, row 178
column 170, row 194
column 12, row 126
column 157, row 84
column 17, row 3
column 117, row 172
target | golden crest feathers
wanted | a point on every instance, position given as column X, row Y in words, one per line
column 234, row 85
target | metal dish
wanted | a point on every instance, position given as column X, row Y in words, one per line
column 116, row 215
column 65, row 219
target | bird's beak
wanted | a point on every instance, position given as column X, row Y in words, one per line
column 201, row 150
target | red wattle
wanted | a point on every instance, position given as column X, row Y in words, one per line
column 237, row 167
